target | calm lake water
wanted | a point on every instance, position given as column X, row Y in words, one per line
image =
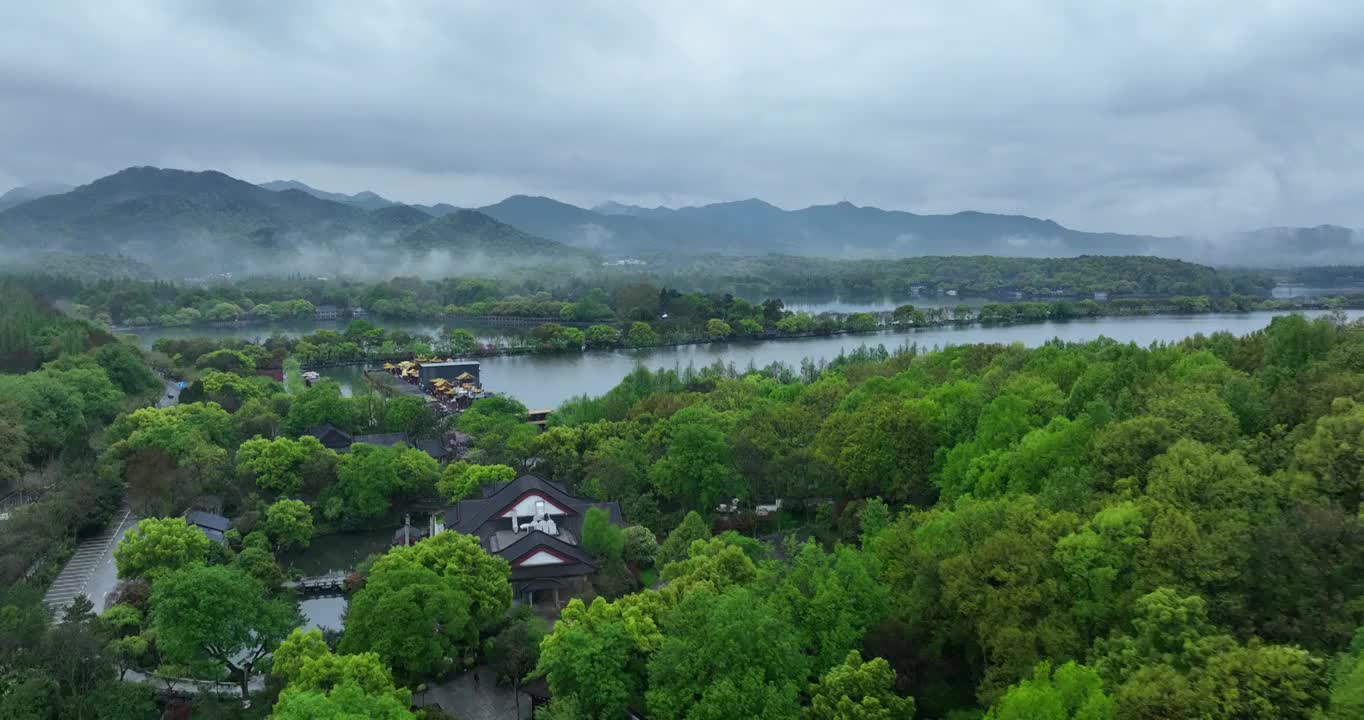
column 545, row 381
column 330, row 553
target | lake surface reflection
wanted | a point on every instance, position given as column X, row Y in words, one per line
column 546, row 380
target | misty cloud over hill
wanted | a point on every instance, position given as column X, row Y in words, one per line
column 180, row 221
column 183, row 222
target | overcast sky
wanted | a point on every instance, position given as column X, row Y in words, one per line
column 1138, row 116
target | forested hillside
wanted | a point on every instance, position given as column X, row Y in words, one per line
column 968, row 275
column 199, row 223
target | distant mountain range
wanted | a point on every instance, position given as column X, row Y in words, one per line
column 365, row 200
column 191, row 222
column 150, row 214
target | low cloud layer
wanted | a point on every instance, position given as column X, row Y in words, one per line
column 1143, row 117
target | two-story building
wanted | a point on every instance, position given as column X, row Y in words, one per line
column 536, row 526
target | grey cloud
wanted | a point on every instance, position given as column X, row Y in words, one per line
column 1128, row 116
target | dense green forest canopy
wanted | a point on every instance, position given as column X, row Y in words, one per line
column 1176, row 520
column 1092, row 530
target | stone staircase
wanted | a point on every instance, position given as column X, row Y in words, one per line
column 74, row 577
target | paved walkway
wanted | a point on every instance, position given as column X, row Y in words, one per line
column 469, row 700
column 170, row 396
column 90, row 572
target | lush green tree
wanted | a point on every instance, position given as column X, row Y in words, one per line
column 602, row 336
column 642, row 335
column 13, row 447
column 226, row 360
column 1264, row 681
column 1347, row 683
column 258, row 417
column 412, row 618
column 120, row 701
column 289, row 523
column 1072, row 692
column 1333, row 456
column 369, row 477
column 602, row 538
column 124, row 366
column 697, row 469
column 461, row 480
column 52, row 413
column 167, row 456
column 278, row 466
column 640, row 547
column 463, row 561
column 830, row 599
column 409, row 414
column 676, row 546
column 595, row 658
column 157, row 546
column 874, row 517
column 426, row 603
column 980, row 579
column 725, row 656
column 461, row 341
column 717, row 329
column 502, row 435
column 344, row 701
column 1203, row 508
column 857, row 690
column 322, row 684
column 884, row 449
column 321, row 403
column 220, row 615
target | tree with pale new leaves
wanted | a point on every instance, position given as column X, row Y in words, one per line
column 156, row 546
column 1072, row 692
column 679, row 541
column 857, row 690
column 461, row 480
column 320, row 684
column 278, row 466
column 289, row 523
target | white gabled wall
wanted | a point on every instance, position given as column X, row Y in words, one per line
column 540, row 557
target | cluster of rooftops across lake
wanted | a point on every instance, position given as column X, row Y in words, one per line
column 449, row 380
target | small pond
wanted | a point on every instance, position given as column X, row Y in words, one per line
column 330, row 553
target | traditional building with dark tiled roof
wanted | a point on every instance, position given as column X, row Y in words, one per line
column 535, row 525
